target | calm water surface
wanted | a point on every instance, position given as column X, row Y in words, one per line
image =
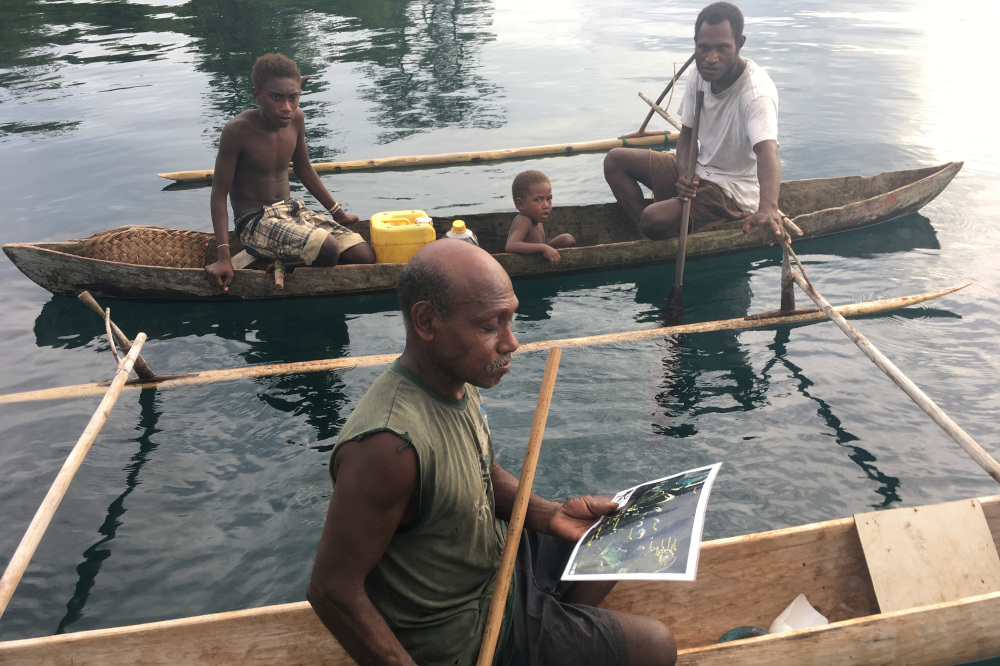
column 212, row 498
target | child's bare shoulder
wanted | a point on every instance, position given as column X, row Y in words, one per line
column 518, row 223
column 241, row 122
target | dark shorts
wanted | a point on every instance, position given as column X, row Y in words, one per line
column 545, row 631
column 711, row 208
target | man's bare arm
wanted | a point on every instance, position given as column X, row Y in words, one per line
column 307, row 175
column 569, row 520
column 376, row 485
column 220, row 273
column 768, row 217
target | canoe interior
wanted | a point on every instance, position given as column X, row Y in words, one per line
column 746, row 580
column 592, row 225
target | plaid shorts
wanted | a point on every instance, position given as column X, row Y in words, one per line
column 288, row 230
column 711, row 208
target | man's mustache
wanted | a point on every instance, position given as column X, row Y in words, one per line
column 500, row 362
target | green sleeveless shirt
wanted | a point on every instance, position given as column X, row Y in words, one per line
column 434, row 582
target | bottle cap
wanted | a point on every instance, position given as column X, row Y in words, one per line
column 458, row 227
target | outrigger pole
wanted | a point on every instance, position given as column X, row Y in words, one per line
column 33, row 536
column 762, row 320
column 473, row 157
column 962, row 438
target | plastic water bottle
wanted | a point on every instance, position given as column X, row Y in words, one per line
column 461, row 232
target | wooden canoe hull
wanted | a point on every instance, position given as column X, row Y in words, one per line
column 820, row 207
column 746, row 580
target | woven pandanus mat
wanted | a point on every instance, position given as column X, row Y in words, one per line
column 149, row 246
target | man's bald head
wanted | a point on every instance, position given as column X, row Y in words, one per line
column 446, row 273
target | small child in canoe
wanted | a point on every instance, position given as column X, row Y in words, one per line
column 251, row 170
column 533, row 199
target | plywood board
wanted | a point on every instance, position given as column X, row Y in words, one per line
column 929, row 554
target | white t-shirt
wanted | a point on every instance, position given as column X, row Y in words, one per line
column 732, row 123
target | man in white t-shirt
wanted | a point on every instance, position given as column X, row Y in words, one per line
column 738, row 173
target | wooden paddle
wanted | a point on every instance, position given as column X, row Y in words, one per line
column 29, row 542
column 962, row 438
column 676, row 295
column 494, row 617
column 762, row 320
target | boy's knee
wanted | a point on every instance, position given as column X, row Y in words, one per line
column 329, row 253
column 362, row 253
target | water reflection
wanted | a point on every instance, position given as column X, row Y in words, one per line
column 419, row 60
column 424, row 76
column 96, row 554
column 711, row 373
column 273, row 331
column 886, row 486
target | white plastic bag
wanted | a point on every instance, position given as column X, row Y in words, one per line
column 799, row 615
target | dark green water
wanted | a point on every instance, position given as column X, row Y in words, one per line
column 212, row 498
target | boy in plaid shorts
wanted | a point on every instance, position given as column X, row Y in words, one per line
column 251, row 170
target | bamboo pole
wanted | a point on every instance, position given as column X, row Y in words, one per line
column 141, row 368
column 692, row 160
column 350, row 363
column 649, row 116
column 649, row 139
column 33, row 536
column 962, row 438
column 494, row 618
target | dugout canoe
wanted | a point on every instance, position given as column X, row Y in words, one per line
column 151, row 263
column 841, row 566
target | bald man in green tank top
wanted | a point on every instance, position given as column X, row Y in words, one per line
column 416, row 525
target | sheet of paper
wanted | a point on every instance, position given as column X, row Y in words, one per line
column 655, row 534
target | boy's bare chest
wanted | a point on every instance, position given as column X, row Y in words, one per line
column 268, row 151
column 536, row 234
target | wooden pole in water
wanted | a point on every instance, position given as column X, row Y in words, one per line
column 22, row 556
column 962, row 438
column 141, row 368
column 349, row 363
column 686, row 209
column 649, row 116
column 494, row 617
column 649, row 139
column 787, row 284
